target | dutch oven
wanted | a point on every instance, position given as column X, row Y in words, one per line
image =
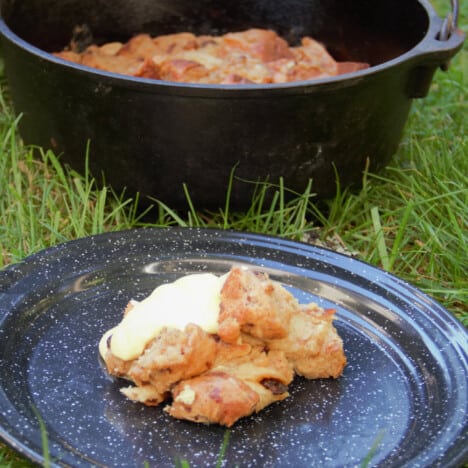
column 152, row 136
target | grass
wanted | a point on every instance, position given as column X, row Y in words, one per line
column 411, row 219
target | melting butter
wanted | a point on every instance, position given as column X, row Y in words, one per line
column 190, row 299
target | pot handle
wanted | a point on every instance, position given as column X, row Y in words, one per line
column 450, row 23
column 449, row 28
column 436, row 52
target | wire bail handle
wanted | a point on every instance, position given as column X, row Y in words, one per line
column 450, row 22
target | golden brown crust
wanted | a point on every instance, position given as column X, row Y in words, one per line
column 252, row 304
column 174, row 355
column 218, row 398
column 313, row 346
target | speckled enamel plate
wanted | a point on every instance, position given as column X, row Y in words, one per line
column 402, row 400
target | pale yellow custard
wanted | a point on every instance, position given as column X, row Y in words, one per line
column 191, row 299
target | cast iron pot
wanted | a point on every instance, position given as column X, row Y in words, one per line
column 153, row 136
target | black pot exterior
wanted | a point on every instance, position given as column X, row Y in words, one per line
column 153, row 137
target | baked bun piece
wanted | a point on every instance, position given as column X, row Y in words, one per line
column 223, row 371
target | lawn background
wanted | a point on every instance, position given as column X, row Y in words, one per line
column 411, row 219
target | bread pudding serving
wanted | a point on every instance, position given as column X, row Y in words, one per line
column 256, row 55
column 220, row 348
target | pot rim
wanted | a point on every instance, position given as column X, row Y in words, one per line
column 422, row 52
